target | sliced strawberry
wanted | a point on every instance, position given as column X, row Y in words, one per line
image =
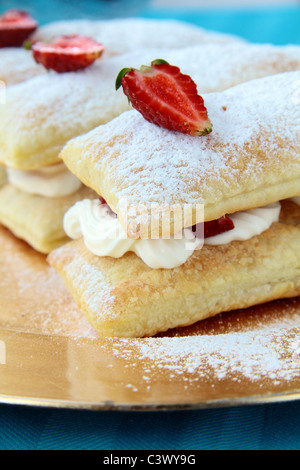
column 15, row 27
column 166, row 97
column 215, row 227
column 67, row 53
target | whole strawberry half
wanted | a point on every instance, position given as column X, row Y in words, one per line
column 67, row 53
column 166, row 97
column 15, row 27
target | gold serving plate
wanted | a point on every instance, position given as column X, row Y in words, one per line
column 51, row 356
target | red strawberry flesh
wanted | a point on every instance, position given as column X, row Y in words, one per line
column 15, row 27
column 68, row 53
column 167, row 98
column 215, row 227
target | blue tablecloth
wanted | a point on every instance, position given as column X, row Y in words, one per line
column 259, row 427
column 272, row 426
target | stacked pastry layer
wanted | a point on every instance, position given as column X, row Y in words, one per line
column 63, row 106
column 129, row 282
column 140, row 265
column 42, row 113
column 18, row 65
column 251, row 156
column 119, row 36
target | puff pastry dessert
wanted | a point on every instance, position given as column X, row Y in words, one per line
column 128, row 283
column 119, row 36
column 40, row 188
column 33, row 131
column 41, row 114
column 250, row 159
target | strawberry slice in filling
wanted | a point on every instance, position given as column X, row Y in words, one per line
column 215, row 227
column 212, row 228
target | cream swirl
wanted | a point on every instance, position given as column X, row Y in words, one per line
column 104, row 236
column 247, row 224
column 50, row 181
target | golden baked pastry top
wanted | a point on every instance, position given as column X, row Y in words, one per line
column 42, row 114
column 250, row 159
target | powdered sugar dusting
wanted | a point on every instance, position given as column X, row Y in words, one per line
column 216, row 67
column 156, row 165
column 44, row 120
column 33, row 297
column 89, row 281
column 273, row 355
column 18, row 65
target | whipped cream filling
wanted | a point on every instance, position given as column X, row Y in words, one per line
column 49, row 181
column 104, row 236
column 296, row 200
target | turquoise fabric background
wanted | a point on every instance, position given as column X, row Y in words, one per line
column 278, row 25
column 259, row 427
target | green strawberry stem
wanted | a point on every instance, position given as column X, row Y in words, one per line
column 159, row 62
column 121, row 74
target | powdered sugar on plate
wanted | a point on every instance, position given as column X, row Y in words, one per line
column 33, row 298
column 250, row 354
column 257, row 345
column 273, row 356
